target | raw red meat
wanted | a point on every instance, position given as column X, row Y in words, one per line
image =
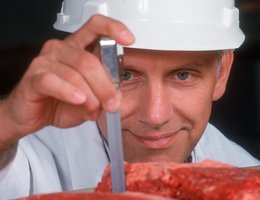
column 198, row 181
column 95, row 196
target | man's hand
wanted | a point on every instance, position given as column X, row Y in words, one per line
column 65, row 85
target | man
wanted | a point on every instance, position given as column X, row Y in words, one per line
column 49, row 138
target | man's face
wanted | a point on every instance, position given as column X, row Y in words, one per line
column 166, row 102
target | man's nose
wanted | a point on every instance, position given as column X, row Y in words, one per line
column 156, row 108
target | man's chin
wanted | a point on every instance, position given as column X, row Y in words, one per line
column 154, row 157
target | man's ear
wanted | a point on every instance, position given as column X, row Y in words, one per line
column 223, row 75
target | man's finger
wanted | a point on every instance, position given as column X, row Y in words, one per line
column 100, row 25
column 89, row 67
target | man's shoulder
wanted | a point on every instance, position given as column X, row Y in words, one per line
column 66, row 155
column 216, row 146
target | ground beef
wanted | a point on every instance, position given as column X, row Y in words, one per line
column 199, row 181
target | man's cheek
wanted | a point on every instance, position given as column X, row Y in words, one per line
column 129, row 106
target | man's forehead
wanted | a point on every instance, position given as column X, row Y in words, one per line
column 130, row 53
column 166, row 61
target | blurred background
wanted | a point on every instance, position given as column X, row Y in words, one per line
column 25, row 27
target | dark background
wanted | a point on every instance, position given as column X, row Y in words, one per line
column 25, row 26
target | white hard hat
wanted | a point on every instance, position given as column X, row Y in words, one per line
column 194, row 25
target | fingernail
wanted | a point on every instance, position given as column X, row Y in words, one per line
column 112, row 105
column 127, row 36
column 79, row 97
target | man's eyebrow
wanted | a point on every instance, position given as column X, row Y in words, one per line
column 191, row 65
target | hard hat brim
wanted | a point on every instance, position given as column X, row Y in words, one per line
column 178, row 36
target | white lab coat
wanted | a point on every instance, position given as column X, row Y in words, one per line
column 55, row 159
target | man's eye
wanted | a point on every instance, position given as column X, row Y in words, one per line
column 126, row 76
column 182, row 75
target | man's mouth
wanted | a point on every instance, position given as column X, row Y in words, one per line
column 156, row 140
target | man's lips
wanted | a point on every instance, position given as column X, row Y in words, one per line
column 156, row 140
